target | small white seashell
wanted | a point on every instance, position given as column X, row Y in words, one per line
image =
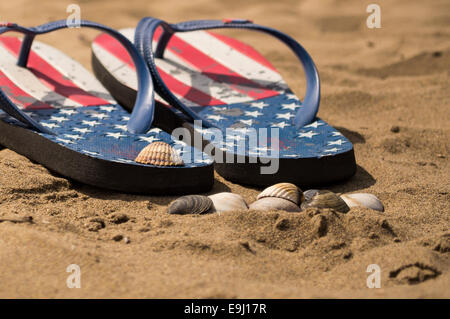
column 286, row 191
column 364, row 200
column 274, row 203
column 224, row 202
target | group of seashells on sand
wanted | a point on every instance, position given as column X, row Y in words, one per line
column 283, row 196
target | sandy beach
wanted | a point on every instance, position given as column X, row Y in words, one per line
column 386, row 89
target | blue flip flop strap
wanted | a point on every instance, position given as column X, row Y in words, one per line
column 143, row 39
column 143, row 111
column 144, row 36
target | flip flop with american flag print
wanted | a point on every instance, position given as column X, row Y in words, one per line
column 58, row 114
column 229, row 86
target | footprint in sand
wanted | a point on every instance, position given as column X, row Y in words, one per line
column 422, row 64
column 427, row 141
column 414, row 273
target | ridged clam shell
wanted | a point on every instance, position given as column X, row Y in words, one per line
column 159, row 154
column 326, row 199
column 191, row 204
column 224, row 202
column 274, row 203
column 283, row 190
column 364, row 200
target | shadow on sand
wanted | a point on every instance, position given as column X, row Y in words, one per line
column 98, row 193
column 353, row 136
column 361, row 180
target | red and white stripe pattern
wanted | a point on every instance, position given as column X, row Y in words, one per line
column 201, row 68
column 50, row 80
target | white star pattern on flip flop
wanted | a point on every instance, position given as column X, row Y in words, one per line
column 259, row 105
column 247, row 122
column 309, row 134
column 291, row 97
column 115, row 135
column 332, row 150
column 124, row 160
column 125, row 118
column 58, row 119
column 89, row 152
column 107, row 108
column 253, row 113
column 100, row 116
column 64, row 140
column 285, row 116
column 216, row 118
column 257, row 153
column 148, row 139
column 204, row 161
column 67, row 111
column 120, row 127
column 90, row 123
column 315, row 124
column 155, row 130
column 50, row 125
column 262, row 149
column 82, row 130
column 280, row 125
column 178, row 142
column 291, row 106
column 74, row 137
column 336, row 133
column 338, row 142
column 203, row 130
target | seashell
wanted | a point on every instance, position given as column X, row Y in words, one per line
column 191, row 204
column 159, row 154
column 224, row 202
column 364, row 200
column 326, row 199
column 308, row 194
column 286, row 191
column 274, row 203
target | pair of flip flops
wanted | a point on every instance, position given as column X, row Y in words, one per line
column 56, row 113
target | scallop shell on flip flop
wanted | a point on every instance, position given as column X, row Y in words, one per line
column 363, row 200
column 224, row 202
column 159, row 154
column 191, row 204
column 274, row 203
column 326, row 199
column 286, row 191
